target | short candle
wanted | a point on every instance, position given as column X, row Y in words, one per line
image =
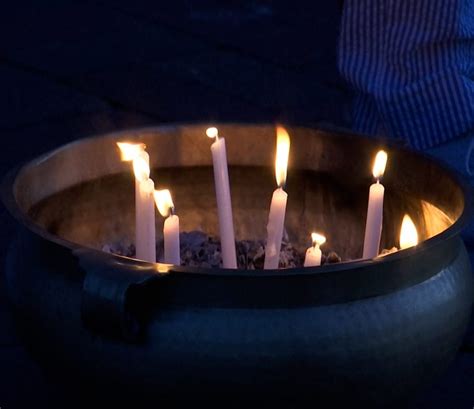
column 314, row 254
column 165, row 206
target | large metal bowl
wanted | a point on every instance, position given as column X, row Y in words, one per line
column 367, row 332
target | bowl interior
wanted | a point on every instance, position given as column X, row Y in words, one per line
column 83, row 192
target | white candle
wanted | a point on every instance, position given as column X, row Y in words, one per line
column 314, row 254
column 224, row 204
column 171, row 235
column 276, row 221
column 145, row 240
column 373, row 226
column 276, row 217
column 144, row 203
column 165, row 206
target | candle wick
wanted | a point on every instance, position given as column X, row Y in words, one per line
column 378, row 180
column 171, row 212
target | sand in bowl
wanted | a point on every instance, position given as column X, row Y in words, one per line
column 198, row 249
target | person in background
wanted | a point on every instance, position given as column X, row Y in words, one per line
column 411, row 63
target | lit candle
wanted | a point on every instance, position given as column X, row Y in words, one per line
column 144, row 202
column 224, row 204
column 408, row 233
column 313, row 254
column 276, row 218
column 165, row 206
column 373, row 226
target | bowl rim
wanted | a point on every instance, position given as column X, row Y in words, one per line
column 9, row 201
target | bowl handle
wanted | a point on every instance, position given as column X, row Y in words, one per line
column 116, row 293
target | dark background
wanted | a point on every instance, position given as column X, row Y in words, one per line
column 73, row 69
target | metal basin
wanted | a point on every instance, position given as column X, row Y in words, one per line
column 367, row 332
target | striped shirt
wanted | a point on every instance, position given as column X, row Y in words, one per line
column 412, row 65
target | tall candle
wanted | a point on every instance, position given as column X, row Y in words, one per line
column 224, row 204
column 373, row 226
column 144, row 202
column 165, row 206
column 276, row 217
column 314, row 254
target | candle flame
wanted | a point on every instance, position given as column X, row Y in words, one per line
column 129, row 151
column 379, row 164
column 408, row 233
column 163, row 202
column 141, row 166
column 212, row 132
column 283, row 150
column 318, row 239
